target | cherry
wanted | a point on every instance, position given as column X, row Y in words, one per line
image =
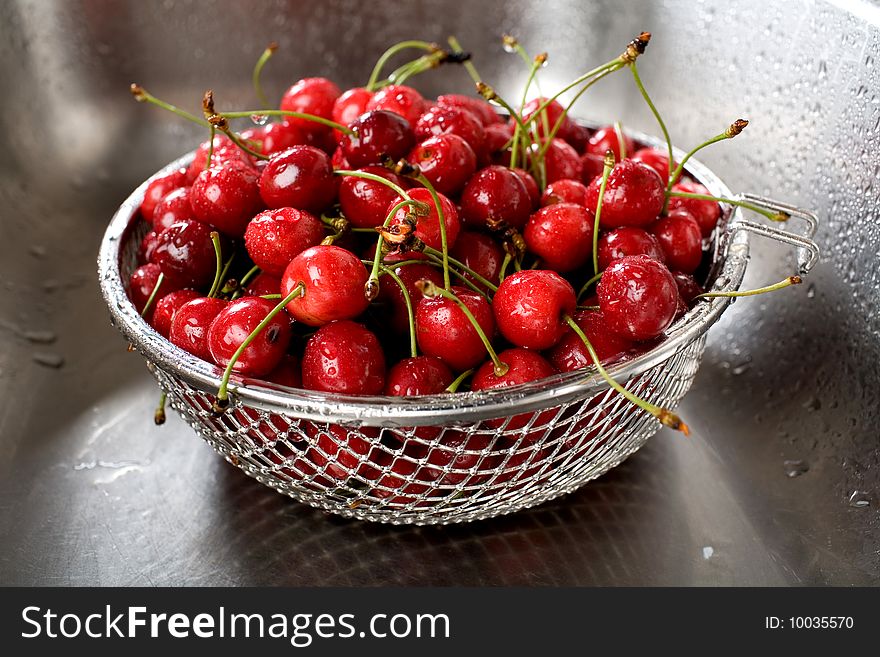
column 344, row 357
column 190, row 324
column 442, row 120
column 530, row 307
column 365, row 203
column 688, row 288
column 570, row 353
column 400, row 99
column 578, row 135
column 480, row 108
column 707, row 213
column 227, row 196
column 634, row 195
column 552, row 112
column 626, row 241
column 274, row 237
column 494, row 195
column 310, row 96
column 147, row 247
column 443, row 330
column 350, row 105
column 342, row 453
column 561, row 161
column 235, row 323
column 167, row 306
column 338, row 160
column 277, row 137
column 421, row 375
column 531, row 185
column 377, row 135
column 656, row 159
column 287, row 373
column 679, row 236
column 592, row 166
column 638, row 297
column 300, row 177
column 185, row 253
column 479, row 252
column 446, row 161
column 333, row 279
column 224, row 151
column 158, row 188
column 605, row 139
column 174, row 206
column 451, row 461
column 141, row 284
column 391, row 295
column 565, row 190
column 561, row 235
column 263, row 283
column 428, row 227
column 497, row 137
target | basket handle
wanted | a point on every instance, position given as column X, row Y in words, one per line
column 807, row 249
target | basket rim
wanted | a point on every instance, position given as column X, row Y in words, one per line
column 731, row 253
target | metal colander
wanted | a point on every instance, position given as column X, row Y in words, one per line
column 444, row 458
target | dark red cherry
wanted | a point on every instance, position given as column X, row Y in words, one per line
column 565, row 190
column 638, row 297
column 561, row 235
column 174, row 206
column 531, row 185
column 530, row 307
column 365, row 203
column 263, row 283
column 390, row 296
column 277, row 137
column 707, row 213
column 679, row 236
column 147, row 247
column 377, row 135
column 224, row 151
column 287, row 373
column 561, row 161
column 300, row 177
column 422, row 375
column 605, row 139
column 158, row 188
column 570, row 353
column 274, row 237
column 344, row 357
column 688, row 288
column 443, row 119
column 634, row 195
column 310, row 96
column 578, row 136
column 227, row 196
column 400, row 99
column 498, row 136
column 546, row 121
column 481, row 109
column 592, row 166
column 479, row 252
column 494, row 195
column 446, row 161
column 141, row 284
column 186, row 255
column 656, row 159
column 167, row 306
column 350, row 105
column 334, row 281
column 235, row 323
column 190, row 324
column 626, row 241
column 428, row 227
column 443, row 330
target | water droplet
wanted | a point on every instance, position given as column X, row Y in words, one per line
column 708, row 551
column 795, row 468
column 811, row 291
column 260, row 119
column 508, row 46
column 37, row 250
column 859, row 499
column 741, row 368
column 39, row 337
column 48, row 359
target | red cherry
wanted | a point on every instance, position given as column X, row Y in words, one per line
column 656, row 159
column 428, row 227
column 561, row 235
column 565, row 190
column 287, row 373
column 185, row 253
column 578, row 136
column 391, row 297
column 551, row 114
column 592, row 166
column 446, row 161
column 497, row 137
column 351, row 105
column 400, row 99
column 141, row 284
column 235, row 323
column 167, row 306
column 147, row 247
column 310, row 96
column 344, row 357
column 365, row 203
column 605, row 139
column 561, row 161
column 443, row 119
column 300, row 177
column 479, row 252
column 377, row 135
column 688, row 288
column 158, row 188
column 274, row 237
column 263, row 283
column 190, row 324
column 480, row 108
column 634, row 195
column 531, row 185
column 627, row 241
column 493, row 195
column 174, row 206
column 334, row 285
column 224, row 151
column 678, row 234
column 226, row 197
column 422, row 375
column 570, row 353
column 638, row 297
column 530, row 307
column 707, row 213
column 338, row 160
column 277, row 137
column 342, row 453
column 443, row 330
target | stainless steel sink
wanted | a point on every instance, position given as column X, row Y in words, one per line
column 779, row 483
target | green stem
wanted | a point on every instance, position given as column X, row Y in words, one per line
column 621, row 142
column 253, row 271
column 388, row 54
column 371, row 288
column 413, row 349
column 453, row 387
column 468, row 65
column 372, row 176
column 676, row 174
column 772, row 216
column 153, row 294
column 218, row 254
column 258, row 69
column 587, row 285
column 159, row 413
column 788, row 282
column 435, row 260
column 143, row 96
column 270, row 297
column 504, row 265
column 297, row 115
column 444, row 245
column 608, row 164
column 210, row 147
column 460, row 265
column 638, row 80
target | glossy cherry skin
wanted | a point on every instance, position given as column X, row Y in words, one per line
column 578, row 136
column 531, row 186
column 428, row 227
column 300, row 177
column 443, row 120
column 530, row 307
column 679, row 236
column 186, row 255
column 391, row 297
column 605, row 139
column 338, row 160
column 224, row 151
column 365, row 203
column 226, row 197
column 446, row 161
column 497, row 137
column 190, row 324
column 310, row 96
column 634, row 195
column 707, row 213
column 481, row 253
column 494, row 195
column 141, row 284
column 421, row 375
column 625, row 241
column 277, row 137
column 565, row 190
column 235, row 323
column 263, row 283
column 174, row 207
column 400, row 99
column 570, row 353
column 561, row 161
column 334, row 281
column 287, row 373
column 158, row 188
column 592, row 167
column 350, row 105
column 167, row 306
column 480, row 108
column 688, row 288
column 561, row 235
column 443, row 330
column 147, row 247
column 377, row 135
column 551, row 115
column 638, row 297
column 275, row 237
column 656, row 159
column 344, row 357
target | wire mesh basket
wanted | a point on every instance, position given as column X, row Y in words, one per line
column 444, row 458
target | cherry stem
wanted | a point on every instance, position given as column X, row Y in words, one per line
column 143, row 96
column 372, row 176
column 468, row 65
column 460, row 265
column 420, row 65
column 371, row 287
column 732, row 131
column 210, row 155
column 772, row 216
column 436, row 260
column 242, row 114
column 587, row 285
column 221, row 123
column 258, row 69
column 153, row 294
column 413, row 348
column 534, row 66
column 666, row 417
column 621, row 143
column 253, row 271
column 218, row 254
column 430, row 290
column 588, row 307
column 788, row 282
column 512, row 42
column 638, row 80
column 393, row 50
column 504, row 265
column 444, row 244
column 453, row 387
column 608, row 164
column 270, row 297
column 222, row 402
column 159, row 413
column 492, row 96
